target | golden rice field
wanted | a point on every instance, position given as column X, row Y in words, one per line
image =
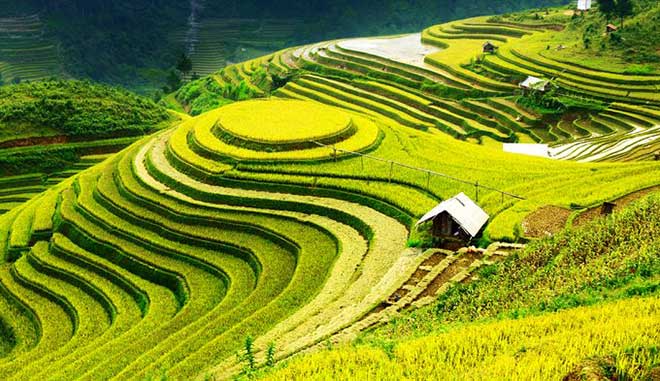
column 545, row 347
column 284, row 222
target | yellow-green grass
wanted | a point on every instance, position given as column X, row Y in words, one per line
column 407, row 105
column 88, row 317
column 460, row 52
column 403, row 69
column 108, row 219
column 205, row 143
column 204, row 191
column 184, row 366
column 51, row 321
column 533, row 348
column 282, row 121
column 206, row 236
column 239, row 290
column 503, row 226
column 514, row 62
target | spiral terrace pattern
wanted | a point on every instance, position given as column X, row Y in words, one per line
column 149, row 268
column 254, row 219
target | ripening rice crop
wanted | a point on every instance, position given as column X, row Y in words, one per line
column 545, row 347
column 281, row 121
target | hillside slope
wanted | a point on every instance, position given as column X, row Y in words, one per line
column 281, row 217
column 47, row 127
column 136, row 43
column 593, row 265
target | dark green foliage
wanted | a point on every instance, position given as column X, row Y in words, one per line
column 607, row 8
column 250, row 364
column 554, row 103
column 624, row 8
column 270, row 355
column 78, row 109
column 51, row 159
column 114, row 41
column 172, row 82
column 184, row 64
column 608, row 258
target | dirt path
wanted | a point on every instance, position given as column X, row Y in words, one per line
column 621, row 203
column 551, row 219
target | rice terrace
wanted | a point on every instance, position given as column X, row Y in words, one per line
column 330, row 190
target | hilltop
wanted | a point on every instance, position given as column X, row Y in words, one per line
column 52, row 130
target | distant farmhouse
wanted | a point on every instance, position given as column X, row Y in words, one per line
column 489, row 47
column 583, row 5
column 456, row 221
column 535, row 84
column 609, row 28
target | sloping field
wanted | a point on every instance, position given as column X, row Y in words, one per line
column 165, row 257
column 25, row 52
column 440, row 79
column 220, row 41
column 285, row 219
column 502, row 350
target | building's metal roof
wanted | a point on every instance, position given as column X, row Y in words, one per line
column 584, row 5
column 534, row 83
column 463, row 210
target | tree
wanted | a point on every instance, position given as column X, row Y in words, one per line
column 624, row 8
column 184, row 64
column 607, row 8
column 173, row 82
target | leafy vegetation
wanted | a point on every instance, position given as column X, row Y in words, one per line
column 139, row 46
column 77, row 109
column 531, row 348
column 610, row 259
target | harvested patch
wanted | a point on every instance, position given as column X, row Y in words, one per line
column 546, row 221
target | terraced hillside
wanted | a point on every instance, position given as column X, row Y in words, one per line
column 283, row 221
column 221, row 41
column 258, row 218
column 51, row 130
column 26, row 53
column 564, row 307
column 441, row 80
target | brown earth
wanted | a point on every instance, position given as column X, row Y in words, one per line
column 549, row 220
column 545, row 222
column 600, row 369
column 43, row 140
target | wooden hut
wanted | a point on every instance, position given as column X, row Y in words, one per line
column 607, row 208
column 456, row 220
column 609, row 28
column 489, row 47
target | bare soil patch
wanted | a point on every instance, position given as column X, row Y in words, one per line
column 434, row 259
column 546, row 221
column 44, row 140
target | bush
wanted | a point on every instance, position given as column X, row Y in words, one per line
column 79, row 108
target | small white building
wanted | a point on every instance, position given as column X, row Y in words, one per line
column 540, row 150
column 584, row 5
column 535, row 84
